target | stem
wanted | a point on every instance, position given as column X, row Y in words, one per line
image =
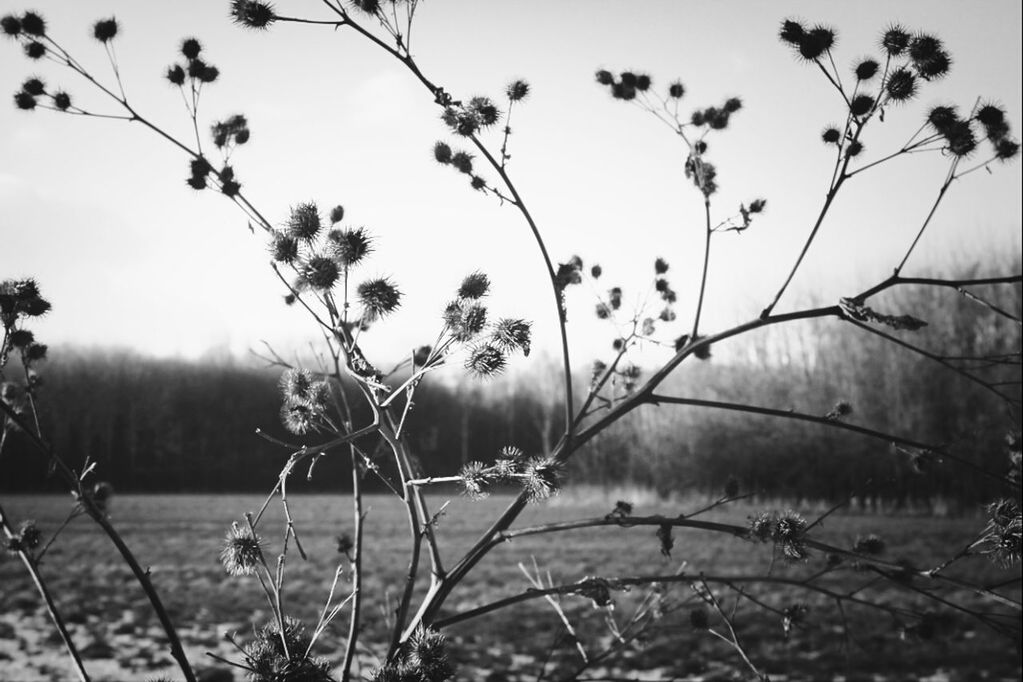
column 706, row 267
column 356, row 566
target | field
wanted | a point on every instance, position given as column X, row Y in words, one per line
column 180, row 537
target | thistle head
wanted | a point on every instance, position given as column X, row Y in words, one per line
column 243, row 551
column 104, row 30
column 542, row 478
column 475, row 286
column 349, row 247
column 250, row 14
column 485, row 361
column 379, row 297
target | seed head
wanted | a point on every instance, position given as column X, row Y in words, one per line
column 33, row 24
column 789, row 532
column 379, row 297
column 470, row 323
column 29, row 535
column 104, row 30
column 190, row 48
column 284, row 248
column 757, row 205
column 660, row 266
column 831, row 135
column 242, row 551
column 486, row 360
column 854, row 149
column 895, row 40
column 517, row 90
column 900, row 85
column 337, row 214
column 604, row 77
column 603, row 311
column 21, row 338
column 176, row 75
column 676, row 90
column 476, row 481
column 732, row 105
column 427, row 657
column 642, row 82
column 33, row 86
column 474, row 286
column 35, row 50
column 596, row 271
column 296, row 384
column 1006, row 149
column 761, row 527
column 869, row 544
column 442, row 153
column 36, row 352
column 297, row 417
column 304, row 221
column 866, row 69
column 929, row 56
column 961, row 139
column 815, row 43
column 24, row 101
column 942, row 118
column 10, row 25
column 792, row 32
column 542, row 478
column 257, row 15
column 349, row 247
column 512, row 334
column 861, row 105
column 321, row 272
column 462, row 161
column 62, row 100
column 367, row 6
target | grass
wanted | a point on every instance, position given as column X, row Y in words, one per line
column 180, row 536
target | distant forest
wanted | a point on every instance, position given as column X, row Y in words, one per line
column 170, row 425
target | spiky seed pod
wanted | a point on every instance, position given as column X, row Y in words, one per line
column 379, row 297
column 614, row 297
column 208, row 75
column 349, row 247
column 35, row 50
column 990, row 115
column 648, row 327
column 36, row 352
column 105, row 30
column 476, row 481
column 421, row 355
column 474, row 286
column 256, row 15
column 427, row 655
column 761, row 527
column 789, row 532
column 676, row 90
column 304, row 221
column 517, row 90
column 296, row 384
column 604, row 77
column 190, row 48
column 321, row 272
column 486, row 360
column 716, row 118
column 230, row 188
column 196, row 182
column 861, row 105
column 869, row 544
column 29, row 535
column 462, row 161
column 176, row 75
column 472, row 320
column 854, row 149
column 623, row 92
column 866, row 69
column 642, row 82
column 628, row 78
column 792, row 32
column 21, row 338
column 33, row 86
column 242, row 551
column 452, row 314
column 596, row 271
column 603, row 311
column 11, row 25
column 33, row 24
column 831, row 135
column 757, row 205
column 477, row 183
column 542, row 478
column 900, row 85
column 816, row 42
column 895, row 40
column 484, row 111
column 337, row 214
column 660, row 266
column 942, row 118
column 442, row 153
column 1006, row 149
column 367, row 6
column 511, row 461
column 24, row 101
column 297, row 417
column 732, row 105
column 512, row 334
column 961, row 139
column 667, row 315
column 62, row 101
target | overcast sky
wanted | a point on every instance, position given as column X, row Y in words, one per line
column 98, row 210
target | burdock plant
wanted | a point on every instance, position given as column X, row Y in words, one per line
column 319, row 259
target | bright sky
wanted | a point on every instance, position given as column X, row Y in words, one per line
column 98, row 210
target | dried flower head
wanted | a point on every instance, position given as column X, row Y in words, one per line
column 831, row 135
column 349, row 247
column 462, row 161
column 257, row 15
column 814, row 43
column 789, row 533
column 486, row 360
column 35, row 49
column 337, row 214
column 104, row 30
column 29, row 535
column 304, row 222
column 471, row 321
column 476, row 480
column 474, row 286
column 298, row 417
column 442, row 153
column 176, row 75
column 321, row 272
column 243, row 551
column 512, row 334
column 900, row 85
column 33, row 24
column 379, row 297
column 895, row 40
column 517, row 90
column 10, row 25
column 427, row 656
column 596, row 271
column 33, row 86
column 604, row 77
column 541, row 478
column 190, row 48
column 676, row 90
column 861, row 105
column 792, row 32
column 761, row 527
column 866, row 69
column 24, row 101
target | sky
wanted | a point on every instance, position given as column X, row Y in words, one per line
column 97, row 210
